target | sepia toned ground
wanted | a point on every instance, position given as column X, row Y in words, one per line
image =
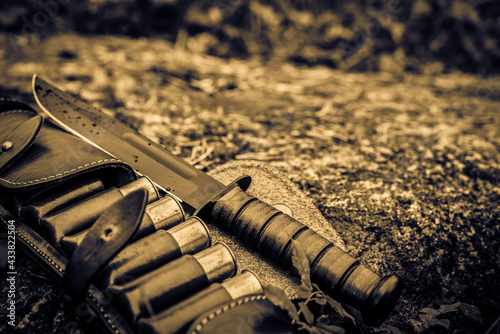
column 405, row 167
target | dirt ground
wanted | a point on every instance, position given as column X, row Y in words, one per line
column 405, row 167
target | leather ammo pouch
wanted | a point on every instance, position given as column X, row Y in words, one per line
column 44, row 171
column 64, row 196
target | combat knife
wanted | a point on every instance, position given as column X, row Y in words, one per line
column 259, row 225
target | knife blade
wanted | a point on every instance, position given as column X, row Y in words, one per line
column 269, row 231
column 168, row 171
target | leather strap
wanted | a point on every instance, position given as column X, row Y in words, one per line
column 109, row 234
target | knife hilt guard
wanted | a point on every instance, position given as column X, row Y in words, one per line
column 271, row 232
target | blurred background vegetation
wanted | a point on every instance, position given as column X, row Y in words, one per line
column 414, row 158
column 420, row 36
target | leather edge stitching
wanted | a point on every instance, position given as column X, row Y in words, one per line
column 104, row 313
column 60, row 174
column 223, row 309
column 17, row 111
column 36, row 249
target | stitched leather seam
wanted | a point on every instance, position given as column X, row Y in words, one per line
column 6, row 99
column 9, row 100
column 51, row 176
column 223, row 309
column 60, row 174
column 105, row 315
column 36, row 249
column 55, row 265
column 17, row 111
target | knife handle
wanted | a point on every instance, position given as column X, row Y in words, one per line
column 271, row 232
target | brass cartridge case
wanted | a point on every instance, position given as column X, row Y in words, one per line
column 143, row 182
column 176, row 319
column 191, row 236
column 165, row 213
column 157, row 290
column 245, row 284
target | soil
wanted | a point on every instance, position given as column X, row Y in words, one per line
column 405, row 167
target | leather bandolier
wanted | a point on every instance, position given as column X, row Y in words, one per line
column 114, row 242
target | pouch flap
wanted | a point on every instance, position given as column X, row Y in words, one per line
column 45, row 155
column 18, row 141
column 107, row 237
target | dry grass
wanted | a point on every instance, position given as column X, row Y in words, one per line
column 406, row 167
